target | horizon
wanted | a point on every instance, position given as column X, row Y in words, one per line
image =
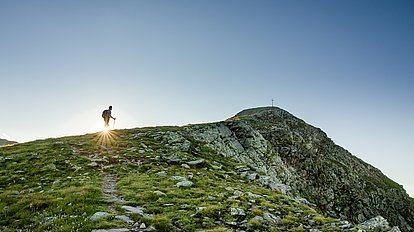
column 343, row 66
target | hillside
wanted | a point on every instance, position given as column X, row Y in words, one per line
column 262, row 170
column 6, row 142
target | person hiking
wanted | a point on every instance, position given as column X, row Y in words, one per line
column 106, row 115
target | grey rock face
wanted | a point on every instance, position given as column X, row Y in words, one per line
column 299, row 159
column 243, row 143
column 175, row 141
column 376, row 223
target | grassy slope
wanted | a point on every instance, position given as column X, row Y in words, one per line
column 51, row 185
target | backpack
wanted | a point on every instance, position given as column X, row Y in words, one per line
column 105, row 114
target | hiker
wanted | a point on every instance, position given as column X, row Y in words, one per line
column 106, row 115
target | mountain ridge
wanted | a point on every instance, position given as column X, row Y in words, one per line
column 4, row 142
column 317, row 139
column 262, row 170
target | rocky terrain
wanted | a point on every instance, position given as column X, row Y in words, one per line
column 261, row 170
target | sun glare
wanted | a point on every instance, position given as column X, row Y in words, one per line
column 106, row 138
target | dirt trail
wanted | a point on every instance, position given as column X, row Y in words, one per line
column 109, row 189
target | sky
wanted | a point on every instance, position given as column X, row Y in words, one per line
column 343, row 66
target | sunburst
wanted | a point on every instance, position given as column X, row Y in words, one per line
column 106, row 138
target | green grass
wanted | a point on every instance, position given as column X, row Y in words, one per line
column 50, row 185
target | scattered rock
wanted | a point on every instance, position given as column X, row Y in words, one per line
column 93, row 164
column 56, row 182
column 377, row 223
column 137, row 210
column 175, row 159
column 98, row 215
column 131, row 149
column 258, row 218
column 159, row 193
column 237, row 212
column 252, row 195
column 238, row 193
column 125, row 219
column 199, row 162
column 185, row 166
column 314, row 230
column 242, row 168
column 395, row 229
column 48, row 220
column 244, row 174
column 178, row 178
column 306, row 202
column 186, row 183
column 211, row 198
column 231, row 223
column 233, row 197
column 252, row 176
column 112, row 230
column 215, row 167
column 346, row 225
column 161, row 173
column 274, row 184
column 276, row 220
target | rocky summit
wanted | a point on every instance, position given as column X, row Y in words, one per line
column 261, row 170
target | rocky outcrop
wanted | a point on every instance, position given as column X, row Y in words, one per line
column 299, row 159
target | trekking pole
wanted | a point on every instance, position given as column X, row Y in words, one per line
column 114, row 124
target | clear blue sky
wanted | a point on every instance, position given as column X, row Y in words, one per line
column 344, row 66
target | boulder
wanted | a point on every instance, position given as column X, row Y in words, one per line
column 377, row 223
column 199, row 162
column 178, row 178
column 275, row 220
column 237, row 212
column 125, row 219
column 98, row 215
column 161, row 173
column 186, row 183
column 137, row 210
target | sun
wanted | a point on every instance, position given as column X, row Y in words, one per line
column 106, row 138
